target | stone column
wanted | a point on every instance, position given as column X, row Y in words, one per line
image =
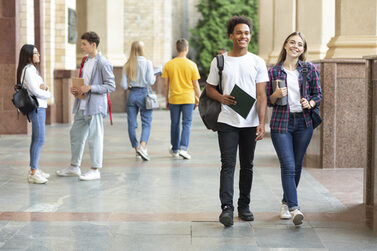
column 65, row 52
column 370, row 172
column 105, row 17
column 284, row 13
column 9, row 50
column 355, row 29
column 316, row 20
column 266, row 28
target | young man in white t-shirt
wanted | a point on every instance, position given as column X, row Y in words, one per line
column 249, row 72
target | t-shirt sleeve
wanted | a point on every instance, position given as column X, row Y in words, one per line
column 213, row 76
column 262, row 75
column 165, row 71
column 195, row 73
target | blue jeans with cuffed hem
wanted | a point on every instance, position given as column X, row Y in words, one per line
column 136, row 103
column 180, row 142
column 38, row 123
column 290, row 148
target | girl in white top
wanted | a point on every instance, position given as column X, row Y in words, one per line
column 28, row 75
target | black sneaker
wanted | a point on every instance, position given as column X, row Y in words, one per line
column 245, row 214
column 226, row 217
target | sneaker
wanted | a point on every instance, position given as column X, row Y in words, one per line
column 91, row 175
column 69, row 171
column 226, row 217
column 37, row 178
column 138, row 156
column 184, row 154
column 173, row 154
column 245, row 214
column 297, row 217
column 284, row 212
column 43, row 174
column 143, row 153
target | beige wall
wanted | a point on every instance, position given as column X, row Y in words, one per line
column 333, row 28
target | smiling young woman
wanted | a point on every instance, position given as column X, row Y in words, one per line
column 291, row 124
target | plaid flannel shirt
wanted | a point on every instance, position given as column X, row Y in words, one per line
column 280, row 114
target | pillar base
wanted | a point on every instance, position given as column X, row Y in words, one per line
column 352, row 46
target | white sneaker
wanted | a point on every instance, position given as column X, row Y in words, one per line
column 91, row 175
column 37, row 178
column 184, row 154
column 138, row 156
column 297, row 217
column 43, row 174
column 143, row 153
column 69, row 171
column 284, row 212
column 173, row 154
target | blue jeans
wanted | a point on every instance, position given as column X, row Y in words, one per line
column 136, row 102
column 38, row 122
column 180, row 142
column 290, row 148
column 231, row 138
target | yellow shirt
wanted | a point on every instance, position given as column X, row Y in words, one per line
column 181, row 72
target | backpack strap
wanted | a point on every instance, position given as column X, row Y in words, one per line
column 82, row 66
column 305, row 71
column 220, row 66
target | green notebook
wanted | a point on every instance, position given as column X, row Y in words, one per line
column 244, row 101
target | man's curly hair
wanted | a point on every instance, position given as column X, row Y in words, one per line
column 233, row 21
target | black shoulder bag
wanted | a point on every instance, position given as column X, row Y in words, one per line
column 314, row 112
column 209, row 109
column 23, row 101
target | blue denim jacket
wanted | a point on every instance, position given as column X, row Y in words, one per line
column 102, row 82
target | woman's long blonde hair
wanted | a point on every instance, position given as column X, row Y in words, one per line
column 137, row 49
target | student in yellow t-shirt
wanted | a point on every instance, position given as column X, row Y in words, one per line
column 182, row 95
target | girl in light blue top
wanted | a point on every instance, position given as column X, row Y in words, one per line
column 137, row 78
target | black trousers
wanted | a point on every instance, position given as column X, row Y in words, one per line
column 231, row 138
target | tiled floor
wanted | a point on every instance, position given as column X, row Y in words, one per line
column 168, row 204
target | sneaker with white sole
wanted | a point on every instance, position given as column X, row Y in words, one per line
column 138, row 156
column 91, row 175
column 46, row 175
column 173, row 154
column 36, row 178
column 284, row 212
column 69, row 171
column 143, row 153
column 297, row 217
column 184, row 154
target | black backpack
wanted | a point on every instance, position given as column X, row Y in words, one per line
column 209, row 109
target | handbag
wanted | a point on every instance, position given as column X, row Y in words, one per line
column 209, row 109
column 151, row 100
column 314, row 112
column 23, row 101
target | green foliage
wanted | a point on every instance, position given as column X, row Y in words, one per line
column 210, row 35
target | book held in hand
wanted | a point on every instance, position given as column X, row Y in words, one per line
column 78, row 82
column 283, row 100
column 244, row 101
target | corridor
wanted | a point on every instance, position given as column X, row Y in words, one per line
column 166, row 203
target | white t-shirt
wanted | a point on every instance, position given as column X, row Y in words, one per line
column 245, row 71
column 293, row 91
column 87, row 75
